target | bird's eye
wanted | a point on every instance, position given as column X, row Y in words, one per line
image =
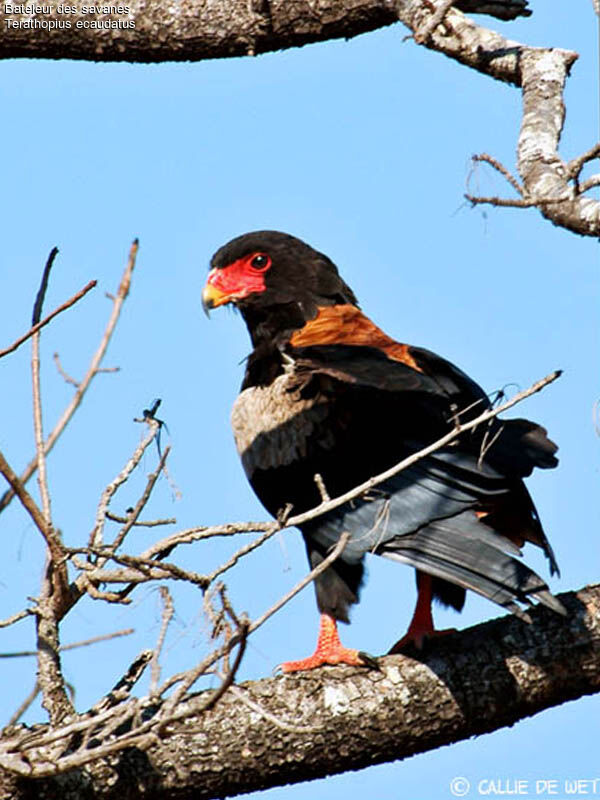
column 260, row 261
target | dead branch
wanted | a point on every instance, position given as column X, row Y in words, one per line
column 337, row 550
column 591, row 183
column 145, row 496
column 27, row 502
column 122, row 689
column 93, row 370
column 152, row 523
column 104, row 637
column 37, row 399
column 38, row 326
column 140, row 570
column 167, row 616
column 27, row 702
column 26, row 612
column 96, row 536
column 321, row 487
column 66, row 377
column 575, row 166
column 501, row 202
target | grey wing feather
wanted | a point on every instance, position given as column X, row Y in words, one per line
column 424, row 517
column 442, row 549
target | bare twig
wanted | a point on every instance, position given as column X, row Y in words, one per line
column 167, row 616
column 140, row 569
column 423, row 33
column 39, row 325
column 337, row 550
column 73, row 645
column 16, row 716
column 139, row 506
column 122, row 689
column 67, row 378
column 109, row 597
column 50, row 679
column 96, row 536
column 37, row 399
column 227, row 605
column 90, row 374
column 504, row 202
column 590, row 183
column 167, row 711
column 152, row 523
column 231, row 673
column 26, row 499
column 242, row 694
column 244, row 551
column 26, row 612
column 575, row 166
column 493, row 162
column 321, row 487
column 191, row 535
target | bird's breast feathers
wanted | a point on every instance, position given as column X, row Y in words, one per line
column 271, row 424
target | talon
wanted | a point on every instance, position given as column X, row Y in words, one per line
column 421, row 627
column 329, row 651
column 368, row 660
column 417, row 641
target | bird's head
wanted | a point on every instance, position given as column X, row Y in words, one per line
column 268, row 271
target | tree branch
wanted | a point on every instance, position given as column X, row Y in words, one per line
column 38, row 326
column 199, row 29
column 340, row 718
column 93, row 368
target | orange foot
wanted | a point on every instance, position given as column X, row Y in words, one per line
column 329, row 651
column 421, row 626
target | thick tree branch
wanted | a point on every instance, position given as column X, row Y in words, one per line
column 201, row 29
column 193, row 30
column 470, row 683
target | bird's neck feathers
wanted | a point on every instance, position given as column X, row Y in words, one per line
column 271, row 328
column 341, row 324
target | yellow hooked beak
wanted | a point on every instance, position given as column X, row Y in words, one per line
column 212, row 297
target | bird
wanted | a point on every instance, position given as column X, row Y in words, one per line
column 329, row 400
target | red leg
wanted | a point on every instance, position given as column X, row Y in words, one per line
column 421, row 626
column 329, row 650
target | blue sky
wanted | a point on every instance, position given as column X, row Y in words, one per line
column 363, row 149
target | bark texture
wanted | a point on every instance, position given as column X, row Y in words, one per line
column 299, row 727
column 191, row 30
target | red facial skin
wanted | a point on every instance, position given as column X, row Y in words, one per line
column 240, row 278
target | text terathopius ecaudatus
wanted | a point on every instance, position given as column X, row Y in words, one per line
column 327, row 392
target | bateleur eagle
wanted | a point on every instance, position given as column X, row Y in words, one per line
column 327, row 392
